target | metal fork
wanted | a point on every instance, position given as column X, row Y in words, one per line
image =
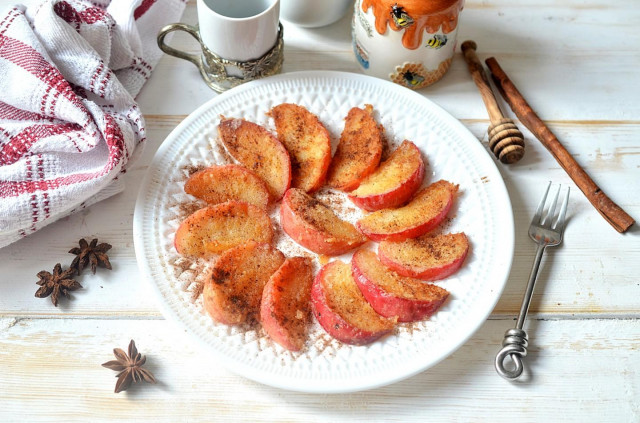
column 546, row 230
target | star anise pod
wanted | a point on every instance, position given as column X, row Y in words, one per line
column 93, row 254
column 57, row 283
column 130, row 368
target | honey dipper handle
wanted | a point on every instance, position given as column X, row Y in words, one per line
column 480, row 78
column 612, row 213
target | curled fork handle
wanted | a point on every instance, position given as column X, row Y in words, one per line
column 516, row 353
column 515, row 340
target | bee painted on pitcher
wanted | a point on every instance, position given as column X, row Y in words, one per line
column 412, row 79
column 437, row 41
column 400, row 17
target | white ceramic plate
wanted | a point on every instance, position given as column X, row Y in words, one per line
column 483, row 212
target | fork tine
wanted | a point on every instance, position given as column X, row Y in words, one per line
column 552, row 208
column 538, row 216
column 559, row 225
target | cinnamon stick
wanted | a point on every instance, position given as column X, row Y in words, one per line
column 612, row 213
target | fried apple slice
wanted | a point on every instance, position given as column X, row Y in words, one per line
column 308, row 143
column 391, row 294
column 258, row 150
column 359, row 150
column 285, row 310
column 427, row 209
column 219, row 184
column 212, row 230
column 429, row 257
column 315, row 226
column 394, row 182
column 341, row 309
column 233, row 290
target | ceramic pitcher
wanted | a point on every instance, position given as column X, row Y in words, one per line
column 410, row 42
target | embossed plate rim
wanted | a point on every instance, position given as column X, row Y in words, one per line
column 334, row 381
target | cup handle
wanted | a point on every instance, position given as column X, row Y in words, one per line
column 196, row 59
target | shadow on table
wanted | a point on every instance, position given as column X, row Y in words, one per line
column 437, row 386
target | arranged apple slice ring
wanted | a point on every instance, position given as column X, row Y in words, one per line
column 355, row 303
column 342, row 310
column 391, row 294
column 429, row 257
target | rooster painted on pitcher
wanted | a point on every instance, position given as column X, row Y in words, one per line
column 410, row 42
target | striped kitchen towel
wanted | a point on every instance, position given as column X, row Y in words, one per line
column 69, row 73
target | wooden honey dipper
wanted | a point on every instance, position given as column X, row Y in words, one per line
column 505, row 139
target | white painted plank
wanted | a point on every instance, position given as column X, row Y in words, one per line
column 569, row 59
column 594, row 271
column 585, row 370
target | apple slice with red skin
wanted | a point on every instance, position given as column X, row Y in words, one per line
column 308, row 143
column 429, row 257
column 259, row 151
column 426, row 210
column 233, row 291
column 285, row 310
column 394, row 182
column 359, row 150
column 391, row 294
column 315, row 226
column 214, row 229
column 342, row 311
column 219, row 184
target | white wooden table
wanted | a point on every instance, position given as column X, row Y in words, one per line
column 576, row 61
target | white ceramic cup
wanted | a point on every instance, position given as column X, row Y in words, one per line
column 238, row 29
column 233, row 30
column 314, row 13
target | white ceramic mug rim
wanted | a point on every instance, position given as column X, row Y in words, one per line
column 264, row 12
